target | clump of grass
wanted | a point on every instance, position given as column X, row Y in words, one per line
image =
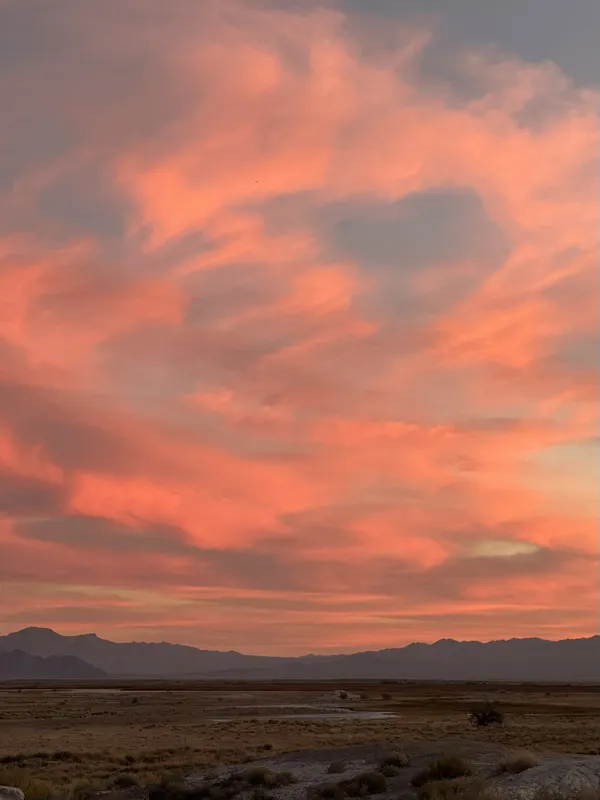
column 259, row 776
column 393, row 764
column 33, row 788
column 464, row 788
column 366, row 783
column 267, row 746
column 519, row 762
column 336, row 767
column 444, row 768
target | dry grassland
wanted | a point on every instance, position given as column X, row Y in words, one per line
column 81, row 736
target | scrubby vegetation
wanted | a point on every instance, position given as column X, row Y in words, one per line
column 366, row 783
column 488, row 714
column 444, row 768
column 255, row 779
column 392, row 765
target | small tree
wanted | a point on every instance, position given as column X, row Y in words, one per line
column 488, row 714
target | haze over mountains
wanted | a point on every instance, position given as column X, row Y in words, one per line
column 89, row 657
column 19, row 665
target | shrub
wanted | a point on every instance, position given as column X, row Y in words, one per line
column 261, row 776
column 365, row 783
column 267, row 746
column 519, row 762
column 361, row 785
column 444, row 768
column 488, row 714
column 465, row 788
column 396, row 760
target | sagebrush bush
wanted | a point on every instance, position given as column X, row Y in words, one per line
column 488, row 714
column 444, row 768
column 397, row 760
column 366, row 783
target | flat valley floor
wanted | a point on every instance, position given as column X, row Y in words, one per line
column 146, row 730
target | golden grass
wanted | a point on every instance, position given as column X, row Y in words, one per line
column 33, row 788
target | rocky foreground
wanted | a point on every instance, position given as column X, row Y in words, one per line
column 413, row 771
column 427, row 771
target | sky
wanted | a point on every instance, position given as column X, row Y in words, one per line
column 299, row 321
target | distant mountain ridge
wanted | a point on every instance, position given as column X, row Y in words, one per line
column 534, row 659
column 22, row 666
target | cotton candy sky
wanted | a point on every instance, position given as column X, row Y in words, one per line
column 298, row 320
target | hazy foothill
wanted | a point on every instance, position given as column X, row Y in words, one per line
column 43, row 653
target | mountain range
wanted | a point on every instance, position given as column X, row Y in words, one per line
column 568, row 660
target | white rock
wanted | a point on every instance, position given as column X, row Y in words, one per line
column 561, row 776
column 11, row 793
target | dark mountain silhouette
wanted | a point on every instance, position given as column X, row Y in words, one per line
column 132, row 658
column 19, row 665
column 567, row 660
